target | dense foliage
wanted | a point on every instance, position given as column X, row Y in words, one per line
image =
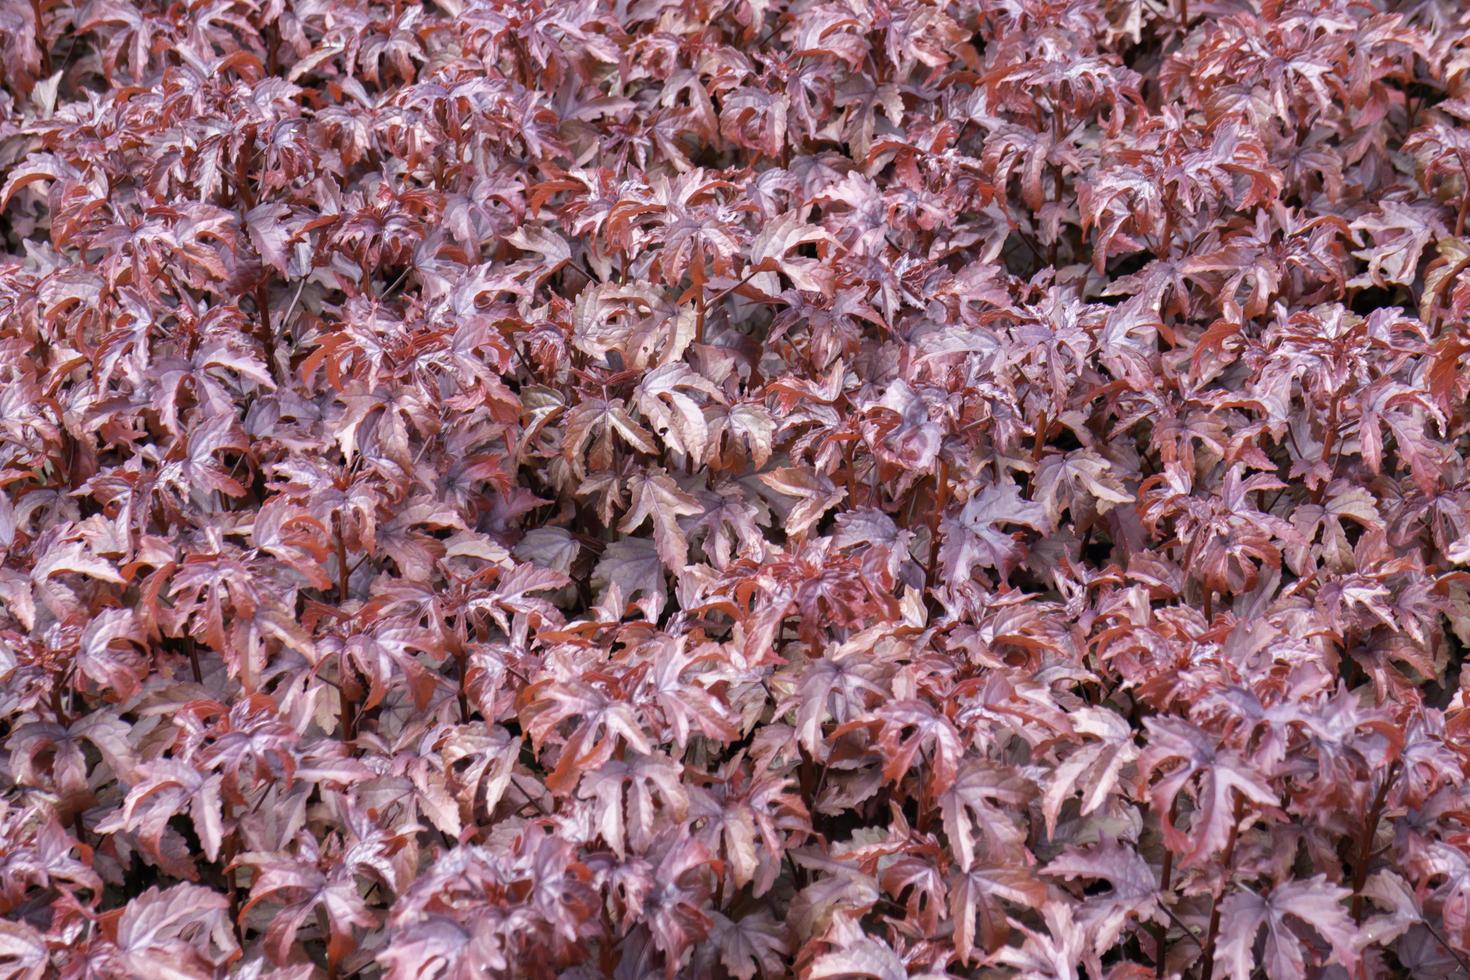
column 650, row 488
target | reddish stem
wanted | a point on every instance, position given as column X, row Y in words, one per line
column 1161, row 931
column 462, row 660
column 41, row 44
column 1226, row 861
column 1365, row 846
column 346, row 710
column 193, row 654
column 342, row 569
column 941, row 499
column 699, row 315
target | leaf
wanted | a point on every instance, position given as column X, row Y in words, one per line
column 515, row 592
column 816, row 494
column 108, row 653
column 666, row 396
column 552, row 548
column 752, row 424
column 631, row 796
column 754, row 943
column 1389, row 890
column 551, row 247
column 1093, row 768
column 631, row 567
column 597, row 421
column 270, row 234
column 979, row 812
column 603, row 723
column 1134, row 895
column 72, row 557
column 1060, row 481
column 1314, row 902
column 1218, row 776
column 23, row 952
column 42, row 166
column 931, row 731
column 1399, row 232
column 301, row 888
column 165, row 788
column 657, row 496
column 974, row 539
column 977, row 896
column 1057, row 952
column 863, row 958
column 183, row 933
column 770, row 250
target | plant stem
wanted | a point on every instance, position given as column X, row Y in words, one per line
column 699, row 315
column 342, row 570
column 1459, row 957
column 345, row 708
column 227, row 853
column 1226, row 860
column 464, row 701
column 941, row 499
column 1043, row 426
column 1161, row 931
column 41, row 44
column 848, row 453
column 1365, row 846
column 193, row 653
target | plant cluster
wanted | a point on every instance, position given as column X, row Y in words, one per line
column 734, row 488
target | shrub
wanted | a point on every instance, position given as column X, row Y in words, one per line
column 734, row 488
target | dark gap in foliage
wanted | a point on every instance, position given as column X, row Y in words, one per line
column 1364, row 301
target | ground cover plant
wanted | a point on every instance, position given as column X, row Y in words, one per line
column 734, row 488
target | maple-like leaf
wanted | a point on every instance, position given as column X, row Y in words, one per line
column 979, row 811
column 1061, row 480
column 675, row 914
column 864, row 957
column 166, row 788
column 932, row 733
column 1313, row 902
column 754, row 943
column 633, row 795
column 1134, row 891
column 977, row 905
column 1398, row 233
column 631, row 567
column 183, row 933
column 1389, row 890
column 837, row 687
column 603, row 723
column 301, row 887
column 25, row 956
column 973, row 538
column 771, row 249
column 1056, row 952
column 657, row 497
column 1215, row 778
column 814, row 492
column 72, row 557
column 598, row 421
column 750, row 424
column 108, row 653
column 672, row 398
column 1093, row 768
